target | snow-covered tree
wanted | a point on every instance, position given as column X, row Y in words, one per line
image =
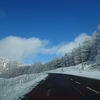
column 77, row 57
column 71, row 57
column 67, row 57
column 94, row 43
column 98, row 58
column 86, row 49
column 36, row 67
column 98, row 50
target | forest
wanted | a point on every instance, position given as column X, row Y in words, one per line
column 86, row 53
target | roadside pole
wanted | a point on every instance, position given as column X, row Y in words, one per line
column 62, row 68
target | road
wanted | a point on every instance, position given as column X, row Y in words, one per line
column 65, row 87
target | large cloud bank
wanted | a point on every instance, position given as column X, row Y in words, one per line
column 20, row 48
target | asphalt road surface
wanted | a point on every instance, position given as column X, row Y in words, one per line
column 65, row 87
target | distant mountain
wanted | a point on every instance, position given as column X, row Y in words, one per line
column 11, row 68
column 6, row 63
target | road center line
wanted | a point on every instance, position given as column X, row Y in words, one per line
column 65, row 76
column 71, row 79
column 80, row 92
column 77, row 82
column 93, row 90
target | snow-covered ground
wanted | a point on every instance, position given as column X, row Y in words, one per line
column 89, row 71
column 14, row 88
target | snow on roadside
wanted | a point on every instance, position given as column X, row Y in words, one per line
column 77, row 70
column 13, row 88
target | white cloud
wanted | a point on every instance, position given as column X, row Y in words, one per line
column 67, row 47
column 20, row 48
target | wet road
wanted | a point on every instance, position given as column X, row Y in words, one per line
column 65, row 87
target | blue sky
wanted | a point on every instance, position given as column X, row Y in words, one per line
column 39, row 30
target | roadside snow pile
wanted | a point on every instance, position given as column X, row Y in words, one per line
column 90, row 71
column 14, row 88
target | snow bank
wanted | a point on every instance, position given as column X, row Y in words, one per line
column 14, row 88
column 89, row 71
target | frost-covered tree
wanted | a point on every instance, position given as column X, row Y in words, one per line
column 98, row 50
column 36, row 67
column 14, row 72
column 47, row 66
column 86, row 49
column 71, row 58
column 62, row 61
column 98, row 58
column 77, row 57
column 67, row 57
column 94, row 43
column 57, row 63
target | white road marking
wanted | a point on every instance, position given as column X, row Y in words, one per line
column 93, row 90
column 48, row 93
column 66, row 76
column 77, row 82
column 71, row 79
column 80, row 92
